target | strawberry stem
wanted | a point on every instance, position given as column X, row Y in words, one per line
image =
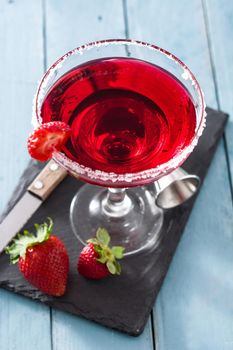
column 106, row 255
column 26, row 239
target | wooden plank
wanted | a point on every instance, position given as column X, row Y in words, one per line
column 168, row 24
column 21, row 67
column 198, row 288
column 219, row 15
column 22, row 321
column 197, row 292
column 74, row 333
column 67, row 27
column 81, row 22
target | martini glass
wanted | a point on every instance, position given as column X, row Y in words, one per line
column 136, row 113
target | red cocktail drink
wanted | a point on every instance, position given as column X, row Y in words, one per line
column 126, row 115
column 136, row 113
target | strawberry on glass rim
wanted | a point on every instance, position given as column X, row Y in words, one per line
column 47, row 139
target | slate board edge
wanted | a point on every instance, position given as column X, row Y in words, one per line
column 108, row 322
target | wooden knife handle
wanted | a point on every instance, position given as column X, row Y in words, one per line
column 47, row 180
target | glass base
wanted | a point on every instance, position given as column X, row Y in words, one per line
column 134, row 223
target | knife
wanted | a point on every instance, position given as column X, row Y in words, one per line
column 37, row 192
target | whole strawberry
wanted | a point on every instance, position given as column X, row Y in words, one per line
column 42, row 259
column 47, row 139
column 97, row 260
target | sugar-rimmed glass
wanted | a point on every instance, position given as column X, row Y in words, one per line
column 131, row 215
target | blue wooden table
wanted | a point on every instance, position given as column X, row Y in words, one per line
column 194, row 310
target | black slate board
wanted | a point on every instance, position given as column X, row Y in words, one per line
column 129, row 298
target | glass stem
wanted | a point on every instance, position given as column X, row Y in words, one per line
column 116, row 203
column 115, row 195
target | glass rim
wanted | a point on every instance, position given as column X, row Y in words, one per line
column 103, row 176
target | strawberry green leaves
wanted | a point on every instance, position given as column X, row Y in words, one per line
column 102, row 236
column 107, row 255
column 26, row 239
column 111, row 267
column 118, row 252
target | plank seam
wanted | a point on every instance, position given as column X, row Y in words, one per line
column 126, row 24
column 213, row 70
column 228, row 165
column 44, row 34
column 51, row 327
column 210, row 51
column 153, row 330
column 126, row 20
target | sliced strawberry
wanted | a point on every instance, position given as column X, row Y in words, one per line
column 47, row 139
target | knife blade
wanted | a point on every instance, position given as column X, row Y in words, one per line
column 37, row 192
